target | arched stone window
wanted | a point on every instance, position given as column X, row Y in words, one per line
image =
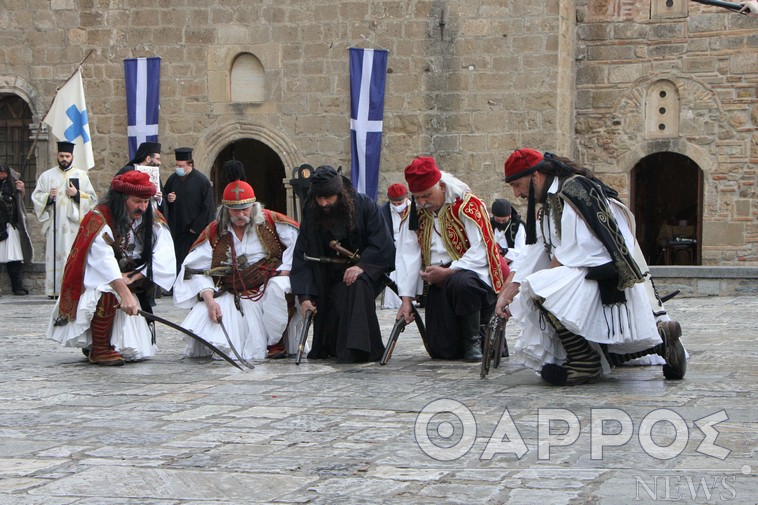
column 662, row 110
column 248, row 79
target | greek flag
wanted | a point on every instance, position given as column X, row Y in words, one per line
column 143, row 76
column 68, row 120
column 368, row 73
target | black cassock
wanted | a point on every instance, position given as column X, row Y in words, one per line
column 345, row 326
column 193, row 209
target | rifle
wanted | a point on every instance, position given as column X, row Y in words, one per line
column 304, row 336
column 394, row 335
column 726, row 5
column 494, row 345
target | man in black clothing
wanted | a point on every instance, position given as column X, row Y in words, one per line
column 341, row 295
column 15, row 244
column 508, row 227
column 188, row 204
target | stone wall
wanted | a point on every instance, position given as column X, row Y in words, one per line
column 710, row 55
column 468, row 81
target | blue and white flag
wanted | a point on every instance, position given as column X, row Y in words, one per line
column 143, row 77
column 368, row 73
column 68, row 120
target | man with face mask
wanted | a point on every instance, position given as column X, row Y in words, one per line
column 188, row 204
column 393, row 212
column 249, row 250
column 62, row 197
column 122, row 246
column 447, row 241
column 508, row 227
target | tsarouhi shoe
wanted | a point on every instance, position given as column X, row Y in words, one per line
column 674, row 354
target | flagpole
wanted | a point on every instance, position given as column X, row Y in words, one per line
column 39, row 128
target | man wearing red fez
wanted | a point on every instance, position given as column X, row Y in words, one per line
column 123, row 248
column 393, row 211
column 447, row 241
column 239, row 271
column 340, row 293
column 582, row 274
column 61, row 198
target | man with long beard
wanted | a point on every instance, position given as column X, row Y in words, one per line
column 237, row 274
column 62, row 197
column 122, row 247
column 341, row 295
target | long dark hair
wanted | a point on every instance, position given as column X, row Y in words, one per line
column 121, row 225
column 345, row 209
column 561, row 167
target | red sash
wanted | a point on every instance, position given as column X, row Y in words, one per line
column 72, row 284
column 454, row 234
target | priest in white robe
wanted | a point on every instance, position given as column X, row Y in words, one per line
column 62, row 197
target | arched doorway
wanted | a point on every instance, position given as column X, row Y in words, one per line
column 15, row 142
column 667, row 195
column 263, row 168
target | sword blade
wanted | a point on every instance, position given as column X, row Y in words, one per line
column 234, row 349
column 171, row 324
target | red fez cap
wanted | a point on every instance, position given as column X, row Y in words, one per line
column 422, row 174
column 521, row 162
column 134, row 183
column 397, row 191
column 238, row 195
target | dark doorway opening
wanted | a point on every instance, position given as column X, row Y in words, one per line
column 667, row 191
column 263, row 168
column 15, row 142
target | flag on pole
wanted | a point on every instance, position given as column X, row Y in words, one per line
column 368, row 73
column 68, row 120
column 143, row 76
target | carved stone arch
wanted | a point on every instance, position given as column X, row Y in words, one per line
column 19, row 86
column 213, row 140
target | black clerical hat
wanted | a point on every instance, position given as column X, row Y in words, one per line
column 65, row 147
column 183, row 153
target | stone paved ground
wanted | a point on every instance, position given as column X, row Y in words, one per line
column 175, row 431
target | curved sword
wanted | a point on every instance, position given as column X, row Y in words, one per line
column 234, row 349
column 170, row 324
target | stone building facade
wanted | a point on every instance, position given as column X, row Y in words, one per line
column 659, row 97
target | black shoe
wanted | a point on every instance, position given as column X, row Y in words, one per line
column 473, row 351
column 674, row 354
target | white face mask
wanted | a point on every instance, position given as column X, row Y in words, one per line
column 399, row 208
column 179, row 171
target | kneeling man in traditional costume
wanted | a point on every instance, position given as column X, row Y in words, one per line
column 121, row 249
column 236, row 276
column 447, row 241
column 577, row 290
